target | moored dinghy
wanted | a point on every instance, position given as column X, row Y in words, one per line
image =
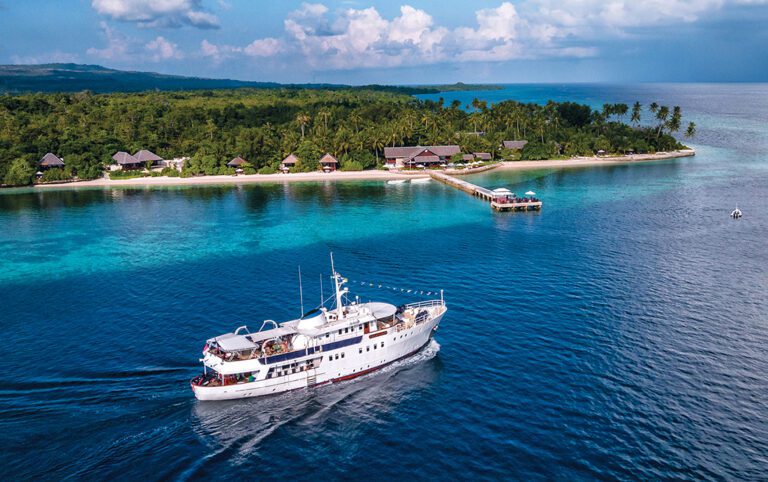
column 736, row 213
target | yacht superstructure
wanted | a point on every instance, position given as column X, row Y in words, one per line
column 332, row 345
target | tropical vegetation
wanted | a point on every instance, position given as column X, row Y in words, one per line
column 265, row 125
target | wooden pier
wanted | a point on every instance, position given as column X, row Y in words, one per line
column 485, row 194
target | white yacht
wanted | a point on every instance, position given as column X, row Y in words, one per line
column 332, row 345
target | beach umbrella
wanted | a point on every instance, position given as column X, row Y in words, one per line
column 420, row 166
column 530, row 193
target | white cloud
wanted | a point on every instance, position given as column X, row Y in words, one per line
column 162, row 49
column 157, row 13
column 118, row 45
column 351, row 38
column 265, row 47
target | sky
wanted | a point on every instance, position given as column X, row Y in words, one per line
column 399, row 42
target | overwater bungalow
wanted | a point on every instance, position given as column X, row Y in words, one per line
column 50, row 160
column 328, row 163
column 126, row 161
column 288, row 163
column 397, row 157
column 144, row 156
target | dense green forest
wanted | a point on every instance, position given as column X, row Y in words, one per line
column 264, row 125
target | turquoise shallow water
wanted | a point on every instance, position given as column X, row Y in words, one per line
column 619, row 333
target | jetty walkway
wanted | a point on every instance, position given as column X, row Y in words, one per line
column 500, row 201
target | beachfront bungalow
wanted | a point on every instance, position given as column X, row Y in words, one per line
column 328, row 163
column 50, row 160
column 288, row 163
column 144, row 156
column 237, row 162
column 483, row 156
column 467, row 158
column 514, row 145
column 126, row 161
column 397, row 157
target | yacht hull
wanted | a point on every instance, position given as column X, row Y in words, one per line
column 374, row 351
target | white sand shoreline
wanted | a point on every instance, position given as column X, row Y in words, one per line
column 361, row 175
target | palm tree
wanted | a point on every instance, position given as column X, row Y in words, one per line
column 620, row 110
column 636, row 110
column 674, row 123
column 691, row 130
column 661, row 116
column 302, row 120
column 653, row 107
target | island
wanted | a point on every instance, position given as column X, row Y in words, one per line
column 275, row 133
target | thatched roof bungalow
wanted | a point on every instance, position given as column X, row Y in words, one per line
column 50, row 160
column 329, row 163
column 127, row 161
column 399, row 156
column 514, row 145
column 237, row 162
column 145, row 156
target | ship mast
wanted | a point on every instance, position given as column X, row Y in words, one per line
column 337, row 282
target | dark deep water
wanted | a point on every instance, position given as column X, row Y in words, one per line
column 620, row 333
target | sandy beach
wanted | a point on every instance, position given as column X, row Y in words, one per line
column 364, row 175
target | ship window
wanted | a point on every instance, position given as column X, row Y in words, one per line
column 367, row 348
column 361, row 350
column 339, row 331
column 342, row 355
column 346, row 330
column 374, row 346
column 382, row 344
column 327, row 335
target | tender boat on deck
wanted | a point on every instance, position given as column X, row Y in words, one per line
column 337, row 344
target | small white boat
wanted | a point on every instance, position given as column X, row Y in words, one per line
column 397, row 181
column 736, row 213
column 421, row 180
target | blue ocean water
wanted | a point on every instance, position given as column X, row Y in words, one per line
column 620, row 333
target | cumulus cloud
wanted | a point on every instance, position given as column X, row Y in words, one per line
column 158, row 13
column 162, row 49
column 351, row 38
column 118, row 45
column 121, row 48
column 265, row 47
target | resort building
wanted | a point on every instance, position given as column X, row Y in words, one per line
column 144, row 156
column 329, row 163
column 126, row 161
column 514, row 145
column 467, row 157
column 483, row 156
column 288, row 163
column 398, row 157
column 50, row 160
column 237, row 162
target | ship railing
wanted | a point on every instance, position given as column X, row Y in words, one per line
column 424, row 304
